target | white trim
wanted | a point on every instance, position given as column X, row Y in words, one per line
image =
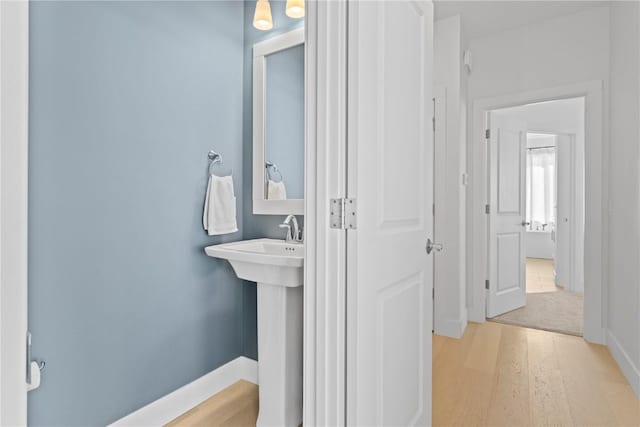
column 325, row 249
column 452, row 328
column 277, row 43
column 596, row 180
column 260, row 51
column 441, row 325
column 628, row 368
column 14, row 143
column 176, row 403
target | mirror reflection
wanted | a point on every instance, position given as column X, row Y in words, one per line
column 284, row 124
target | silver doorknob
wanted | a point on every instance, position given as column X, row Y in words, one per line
column 433, row 246
column 525, row 223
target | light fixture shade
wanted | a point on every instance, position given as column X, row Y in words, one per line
column 295, row 8
column 262, row 19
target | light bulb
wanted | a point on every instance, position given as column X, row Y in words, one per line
column 295, row 8
column 262, row 19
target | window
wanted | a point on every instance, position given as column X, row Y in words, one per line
column 541, row 182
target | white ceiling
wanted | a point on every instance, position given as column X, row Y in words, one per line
column 481, row 18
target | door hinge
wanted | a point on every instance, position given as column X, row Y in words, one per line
column 487, row 134
column 433, row 293
column 487, row 209
column 486, row 284
column 343, row 214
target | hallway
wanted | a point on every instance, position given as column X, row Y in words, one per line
column 501, row 375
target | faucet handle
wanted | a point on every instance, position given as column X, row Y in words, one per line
column 289, row 236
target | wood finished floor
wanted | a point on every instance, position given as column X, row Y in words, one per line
column 235, row 406
column 496, row 375
column 539, row 276
column 502, row 375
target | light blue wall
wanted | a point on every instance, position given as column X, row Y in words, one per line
column 284, row 117
column 257, row 225
column 126, row 100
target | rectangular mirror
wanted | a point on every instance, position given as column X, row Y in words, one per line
column 278, row 124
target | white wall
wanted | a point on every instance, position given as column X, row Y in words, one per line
column 538, row 244
column 624, row 228
column 557, row 52
column 450, row 307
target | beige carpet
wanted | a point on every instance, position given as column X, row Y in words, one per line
column 558, row 311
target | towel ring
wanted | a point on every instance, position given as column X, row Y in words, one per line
column 270, row 169
column 215, row 158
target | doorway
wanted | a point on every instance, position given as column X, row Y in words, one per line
column 536, row 226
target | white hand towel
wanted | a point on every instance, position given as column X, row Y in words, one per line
column 219, row 215
column 276, row 190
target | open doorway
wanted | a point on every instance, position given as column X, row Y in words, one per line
column 536, row 230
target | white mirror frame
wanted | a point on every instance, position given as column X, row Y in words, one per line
column 262, row 205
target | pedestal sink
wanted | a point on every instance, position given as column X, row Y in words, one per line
column 277, row 268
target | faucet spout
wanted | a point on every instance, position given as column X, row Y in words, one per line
column 294, row 233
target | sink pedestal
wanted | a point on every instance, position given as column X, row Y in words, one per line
column 280, row 355
column 278, row 268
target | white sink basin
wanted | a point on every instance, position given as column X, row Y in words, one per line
column 268, row 261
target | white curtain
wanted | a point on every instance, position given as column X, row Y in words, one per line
column 541, row 188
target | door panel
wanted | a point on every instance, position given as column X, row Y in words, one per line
column 508, row 172
column 390, row 163
column 508, row 255
column 507, row 148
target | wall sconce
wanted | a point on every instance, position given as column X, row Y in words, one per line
column 262, row 19
column 295, row 8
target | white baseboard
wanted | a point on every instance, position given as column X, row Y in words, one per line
column 477, row 313
column 176, row 403
column 628, row 368
column 453, row 328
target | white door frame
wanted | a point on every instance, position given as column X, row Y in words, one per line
column 324, row 398
column 441, row 325
column 14, row 80
column 596, row 179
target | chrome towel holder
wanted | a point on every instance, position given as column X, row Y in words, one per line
column 215, row 158
column 270, row 168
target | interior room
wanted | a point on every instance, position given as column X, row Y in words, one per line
column 320, row 213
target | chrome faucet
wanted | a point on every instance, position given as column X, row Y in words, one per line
column 294, row 233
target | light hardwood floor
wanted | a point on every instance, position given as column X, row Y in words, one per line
column 502, row 375
column 236, row 405
column 540, row 276
column 496, row 375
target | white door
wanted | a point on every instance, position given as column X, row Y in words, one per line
column 390, row 174
column 562, row 256
column 507, row 154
